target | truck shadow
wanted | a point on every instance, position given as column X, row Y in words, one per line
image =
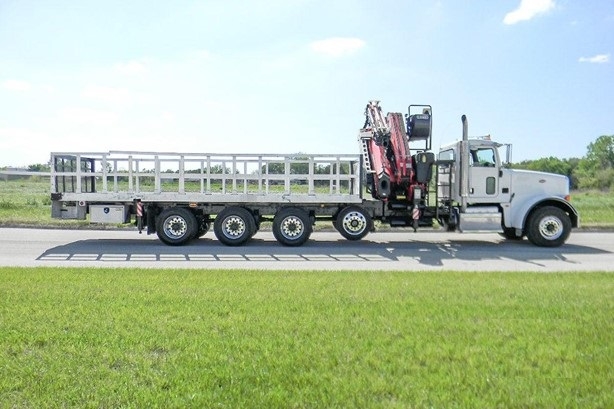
column 363, row 253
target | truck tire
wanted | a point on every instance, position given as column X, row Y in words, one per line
column 548, row 227
column 292, row 226
column 176, row 226
column 353, row 222
column 234, row 226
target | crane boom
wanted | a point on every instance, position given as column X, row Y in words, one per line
column 387, row 156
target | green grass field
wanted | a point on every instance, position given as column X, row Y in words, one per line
column 27, row 201
column 596, row 208
column 109, row 338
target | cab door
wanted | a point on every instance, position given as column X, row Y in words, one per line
column 483, row 174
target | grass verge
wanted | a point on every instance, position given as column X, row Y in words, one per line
column 27, row 201
column 596, row 208
column 185, row 338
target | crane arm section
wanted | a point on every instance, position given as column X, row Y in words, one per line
column 386, row 153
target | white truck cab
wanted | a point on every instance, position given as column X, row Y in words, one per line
column 486, row 194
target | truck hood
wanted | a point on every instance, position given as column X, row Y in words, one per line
column 532, row 182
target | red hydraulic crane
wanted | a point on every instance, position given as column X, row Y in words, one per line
column 394, row 175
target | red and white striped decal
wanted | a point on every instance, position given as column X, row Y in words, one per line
column 139, row 209
column 415, row 213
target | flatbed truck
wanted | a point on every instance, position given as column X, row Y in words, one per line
column 395, row 179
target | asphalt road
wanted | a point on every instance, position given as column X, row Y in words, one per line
column 585, row 251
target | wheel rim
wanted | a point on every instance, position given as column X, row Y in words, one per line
column 233, row 227
column 551, row 228
column 354, row 223
column 292, row 228
column 175, row 227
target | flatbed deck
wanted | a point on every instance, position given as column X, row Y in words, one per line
column 125, row 176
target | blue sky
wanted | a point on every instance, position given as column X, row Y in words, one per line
column 288, row 76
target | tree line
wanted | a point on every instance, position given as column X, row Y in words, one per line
column 595, row 170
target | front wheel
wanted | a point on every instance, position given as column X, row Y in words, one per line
column 176, row 226
column 292, row 226
column 234, row 226
column 548, row 227
column 353, row 222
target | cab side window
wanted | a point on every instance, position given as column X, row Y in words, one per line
column 482, row 157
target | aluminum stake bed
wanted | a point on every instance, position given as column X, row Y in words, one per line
column 395, row 180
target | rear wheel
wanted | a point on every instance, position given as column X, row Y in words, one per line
column 292, row 226
column 176, row 226
column 548, row 227
column 234, row 226
column 353, row 222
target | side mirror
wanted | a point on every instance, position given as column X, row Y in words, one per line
column 508, row 155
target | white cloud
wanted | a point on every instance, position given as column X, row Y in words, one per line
column 16, row 85
column 23, row 146
column 337, row 46
column 82, row 115
column 527, row 10
column 168, row 116
column 16, row 136
column 130, row 68
column 597, row 59
column 200, row 55
column 112, row 95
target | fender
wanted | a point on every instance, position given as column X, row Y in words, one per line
column 517, row 213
